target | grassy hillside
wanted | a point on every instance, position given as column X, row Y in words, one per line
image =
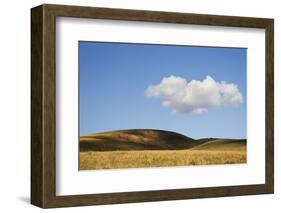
column 156, row 148
column 222, row 144
column 135, row 140
column 147, row 139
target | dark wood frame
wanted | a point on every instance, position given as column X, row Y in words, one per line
column 43, row 105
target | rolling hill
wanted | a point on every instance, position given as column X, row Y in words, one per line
column 149, row 139
column 222, row 144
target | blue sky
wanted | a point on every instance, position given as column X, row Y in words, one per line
column 114, row 79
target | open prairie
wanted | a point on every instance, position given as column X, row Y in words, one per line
column 156, row 148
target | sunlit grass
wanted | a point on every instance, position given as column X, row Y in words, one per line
column 91, row 160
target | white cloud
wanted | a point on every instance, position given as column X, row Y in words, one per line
column 194, row 96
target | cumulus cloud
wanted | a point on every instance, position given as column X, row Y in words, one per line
column 183, row 96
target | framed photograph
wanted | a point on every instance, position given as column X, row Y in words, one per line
column 137, row 106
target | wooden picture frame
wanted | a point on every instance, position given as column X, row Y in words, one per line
column 43, row 105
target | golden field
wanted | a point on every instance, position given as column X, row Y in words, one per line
column 139, row 159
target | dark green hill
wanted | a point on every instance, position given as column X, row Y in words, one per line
column 139, row 139
column 149, row 139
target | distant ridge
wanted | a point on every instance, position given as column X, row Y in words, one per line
column 151, row 139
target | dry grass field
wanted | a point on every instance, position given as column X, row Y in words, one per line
column 140, row 159
column 154, row 148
